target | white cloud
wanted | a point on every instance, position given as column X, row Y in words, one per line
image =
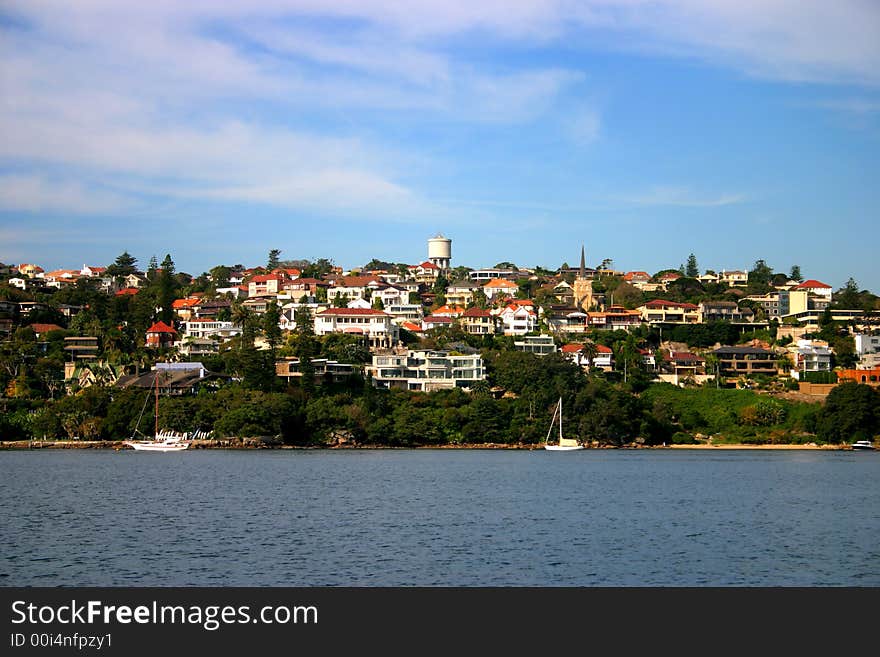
column 661, row 195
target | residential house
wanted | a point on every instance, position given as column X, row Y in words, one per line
column 405, row 312
column 185, row 309
column 354, row 287
column 266, row 285
column 500, row 287
column 31, row 271
column 715, row 311
column 816, row 288
column 482, row 275
column 425, row 370
column 374, row 325
column 745, row 361
column 868, row 350
column 449, row 311
column 81, row 347
column 324, row 370
column 308, row 287
column 160, row 336
column 566, row 319
column 660, row 311
column 679, row 366
column 615, row 317
column 709, row 278
column 604, row 358
column 540, row 345
column 40, row 330
column 198, row 347
column 136, row 280
column 461, row 293
column 735, row 278
column 516, row 319
column 206, row 327
column 810, row 356
column 426, row 272
column 436, row 321
column 477, row 321
column 92, row 272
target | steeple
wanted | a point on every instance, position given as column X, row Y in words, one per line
column 583, row 263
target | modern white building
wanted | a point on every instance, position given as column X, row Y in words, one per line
column 425, row 370
column 376, row 326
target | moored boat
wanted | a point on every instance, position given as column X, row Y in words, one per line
column 862, row 444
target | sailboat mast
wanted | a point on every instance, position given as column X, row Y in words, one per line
column 156, row 429
column 560, row 420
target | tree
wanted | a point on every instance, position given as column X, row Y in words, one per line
column 795, row 273
column 305, row 345
column 220, row 275
column 271, row 327
column 273, row 260
column 692, row 270
column 851, row 412
column 124, row 265
column 760, row 273
column 589, row 352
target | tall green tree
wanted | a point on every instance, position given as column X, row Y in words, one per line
column 306, row 345
column 124, row 265
column 274, row 259
column 271, row 327
column 692, row 270
column 795, row 273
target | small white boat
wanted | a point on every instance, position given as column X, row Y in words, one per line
column 862, row 444
column 562, row 444
column 162, row 441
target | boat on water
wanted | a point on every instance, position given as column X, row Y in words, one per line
column 562, row 444
column 162, row 441
column 862, row 444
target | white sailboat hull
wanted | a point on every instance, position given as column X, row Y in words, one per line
column 157, row 445
column 563, row 448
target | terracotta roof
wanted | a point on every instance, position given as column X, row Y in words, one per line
column 425, row 265
column 45, row 328
column 355, row 281
column 501, row 282
column 656, row 303
column 185, row 303
column 409, row 326
column 476, row 312
column 437, row 319
column 636, row 274
column 127, row 290
column 264, row 278
column 160, row 327
column 575, row 347
column 812, row 283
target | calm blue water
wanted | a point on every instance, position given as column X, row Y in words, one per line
column 440, row 518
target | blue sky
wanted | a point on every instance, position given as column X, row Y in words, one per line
column 646, row 131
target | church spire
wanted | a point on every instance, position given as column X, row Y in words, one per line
column 583, row 263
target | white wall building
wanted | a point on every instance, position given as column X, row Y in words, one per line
column 425, row 370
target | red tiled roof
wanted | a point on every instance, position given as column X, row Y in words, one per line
column 161, row 327
column 425, row 265
column 45, row 328
column 185, row 303
column 437, row 319
column 812, row 283
column 501, row 282
column 633, row 274
column 575, row 347
column 657, row 303
column 264, row 278
column 409, row 326
column 476, row 312
column 127, row 290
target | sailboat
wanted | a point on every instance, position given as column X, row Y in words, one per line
column 162, row 441
column 563, row 444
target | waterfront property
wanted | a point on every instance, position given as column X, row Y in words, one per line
column 425, row 370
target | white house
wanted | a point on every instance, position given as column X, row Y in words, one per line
column 376, row 326
column 425, row 370
column 517, row 319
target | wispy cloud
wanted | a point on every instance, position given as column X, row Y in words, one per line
column 681, row 196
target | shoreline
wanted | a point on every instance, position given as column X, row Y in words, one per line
column 257, row 443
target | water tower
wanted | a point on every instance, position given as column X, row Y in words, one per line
column 440, row 252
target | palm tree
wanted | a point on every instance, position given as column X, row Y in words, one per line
column 588, row 353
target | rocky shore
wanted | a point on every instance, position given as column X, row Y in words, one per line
column 273, row 443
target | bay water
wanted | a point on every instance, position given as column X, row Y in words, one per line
column 440, row 517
